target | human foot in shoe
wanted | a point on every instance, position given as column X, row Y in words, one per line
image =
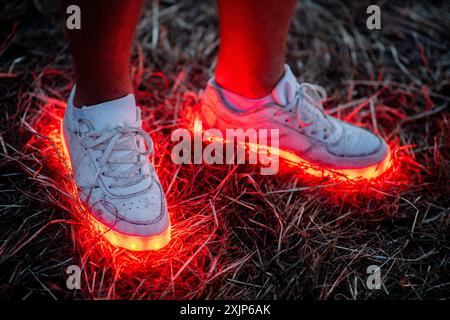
column 308, row 136
column 109, row 155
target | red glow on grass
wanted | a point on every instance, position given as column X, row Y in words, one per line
column 177, row 266
column 194, row 255
column 355, row 186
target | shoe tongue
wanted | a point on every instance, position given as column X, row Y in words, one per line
column 284, row 91
column 112, row 114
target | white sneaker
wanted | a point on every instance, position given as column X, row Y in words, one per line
column 307, row 135
column 109, row 155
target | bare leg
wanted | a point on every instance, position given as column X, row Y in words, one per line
column 252, row 44
column 102, row 48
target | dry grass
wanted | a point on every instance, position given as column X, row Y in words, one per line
column 237, row 234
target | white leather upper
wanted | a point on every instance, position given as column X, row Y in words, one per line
column 304, row 127
column 109, row 154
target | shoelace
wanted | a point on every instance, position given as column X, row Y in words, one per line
column 119, row 139
column 307, row 105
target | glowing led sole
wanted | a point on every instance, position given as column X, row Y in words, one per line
column 133, row 242
column 359, row 174
column 118, row 239
column 365, row 173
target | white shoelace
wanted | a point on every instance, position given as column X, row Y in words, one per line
column 308, row 108
column 115, row 142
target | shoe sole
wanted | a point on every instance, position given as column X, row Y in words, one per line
column 357, row 174
column 119, row 239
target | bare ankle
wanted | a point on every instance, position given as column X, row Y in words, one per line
column 250, row 85
column 92, row 94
